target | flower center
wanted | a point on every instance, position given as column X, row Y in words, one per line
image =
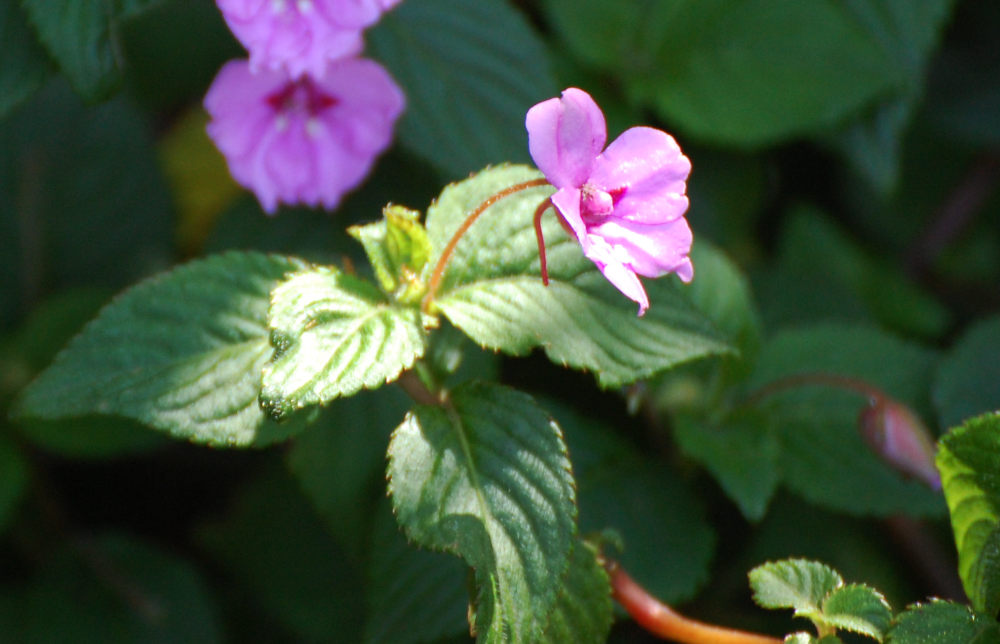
column 301, row 95
column 595, row 201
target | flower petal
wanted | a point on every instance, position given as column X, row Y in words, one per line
column 567, row 203
column 565, row 135
column 647, row 170
column 610, row 263
column 650, row 250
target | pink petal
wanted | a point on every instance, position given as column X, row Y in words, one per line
column 567, row 203
column 565, row 135
column 609, row 262
column 647, row 170
column 650, row 250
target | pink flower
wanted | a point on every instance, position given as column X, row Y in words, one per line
column 625, row 204
column 306, row 140
column 301, row 35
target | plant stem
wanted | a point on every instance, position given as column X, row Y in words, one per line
column 542, row 207
column 446, row 254
column 817, row 378
column 417, row 390
column 662, row 621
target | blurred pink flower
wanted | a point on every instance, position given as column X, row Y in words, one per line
column 625, row 204
column 899, row 438
column 302, row 36
column 306, row 140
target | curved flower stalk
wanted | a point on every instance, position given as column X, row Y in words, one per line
column 301, row 36
column 625, row 204
column 305, row 140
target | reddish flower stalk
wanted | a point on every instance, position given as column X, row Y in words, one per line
column 438, row 274
column 662, row 621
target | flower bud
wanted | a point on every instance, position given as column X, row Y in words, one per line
column 900, row 439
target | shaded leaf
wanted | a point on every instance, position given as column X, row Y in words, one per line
column 25, row 67
column 583, row 612
column 466, row 94
column 181, row 352
column 488, row 479
column 941, row 622
column 967, row 382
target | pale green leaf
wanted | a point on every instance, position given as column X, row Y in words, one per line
column 859, row 609
column 334, row 335
column 969, row 461
column 941, row 622
column 181, row 352
column 794, row 583
column 492, row 290
column 466, row 94
column 488, row 478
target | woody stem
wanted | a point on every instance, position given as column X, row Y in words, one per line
column 446, row 254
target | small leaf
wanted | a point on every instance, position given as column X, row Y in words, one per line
column 83, row 37
column 334, row 334
column 859, row 609
column 487, row 478
column 794, row 583
column 942, row 622
column 398, row 249
column 969, row 459
column 181, row 352
column 466, row 94
column 492, row 290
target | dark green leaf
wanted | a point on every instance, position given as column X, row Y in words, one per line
column 13, row 479
column 413, row 595
column 467, row 94
column 859, row 609
column 747, row 73
column 286, row 563
column 967, row 382
column 794, row 583
column 83, row 38
column 941, row 622
column 969, row 461
column 488, row 478
column 492, row 290
column 583, row 612
column 823, row 456
column 334, row 334
column 743, row 454
column 111, row 589
column 340, row 460
column 24, row 65
column 181, row 352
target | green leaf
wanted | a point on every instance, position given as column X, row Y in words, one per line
column 942, row 622
column 83, row 38
column 859, row 609
column 583, row 612
column 181, row 352
column 823, row 456
column 25, row 66
column 747, row 73
column 908, row 34
column 398, row 249
column 334, row 335
column 488, row 478
column 969, row 460
column 742, row 453
column 794, row 583
column 492, row 290
column 668, row 543
column 413, row 595
column 967, row 382
column 340, row 460
column 286, row 563
column 467, row 94
column 111, row 588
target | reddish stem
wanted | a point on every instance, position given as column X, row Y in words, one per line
column 542, row 207
column 662, row 621
column 818, row 378
column 442, row 263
